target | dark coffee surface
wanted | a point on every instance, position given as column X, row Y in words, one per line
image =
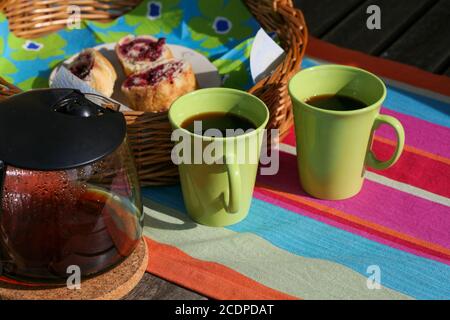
column 218, row 120
column 335, row 102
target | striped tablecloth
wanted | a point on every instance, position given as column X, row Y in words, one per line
column 292, row 246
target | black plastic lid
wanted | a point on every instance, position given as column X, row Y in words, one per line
column 57, row 129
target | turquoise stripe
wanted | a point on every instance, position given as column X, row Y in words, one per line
column 410, row 103
column 404, row 272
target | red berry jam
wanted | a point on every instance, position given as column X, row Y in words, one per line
column 151, row 77
column 141, row 49
column 82, row 65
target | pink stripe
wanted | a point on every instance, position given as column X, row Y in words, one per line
column 290, row 137
column 279, row 202
column 420, row 134
column 377, row 203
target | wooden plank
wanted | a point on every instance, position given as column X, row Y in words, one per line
column 396, row 17
column 154, row 288
column 323, row 15
column 427, row 43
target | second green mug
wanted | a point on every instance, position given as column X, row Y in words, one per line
column 218, row 194
column 333, row 147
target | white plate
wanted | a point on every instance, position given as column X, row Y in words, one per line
column 206, row 73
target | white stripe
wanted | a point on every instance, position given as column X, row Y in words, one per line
column 418, row 192
column 288, row 149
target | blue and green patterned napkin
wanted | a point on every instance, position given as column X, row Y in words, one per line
column 222, row 30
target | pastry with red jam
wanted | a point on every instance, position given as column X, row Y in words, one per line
column 155, row 89
column 94, row 69
column 142, row 52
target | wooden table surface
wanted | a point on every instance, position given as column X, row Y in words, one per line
column 415, row 32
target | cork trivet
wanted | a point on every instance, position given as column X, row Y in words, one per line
column 113, row 284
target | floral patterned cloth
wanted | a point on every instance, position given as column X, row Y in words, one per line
column 222, row 30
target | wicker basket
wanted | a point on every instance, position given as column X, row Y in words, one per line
column 149, row 134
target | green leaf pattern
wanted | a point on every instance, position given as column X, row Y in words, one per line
column 169, row 17
column 205, row 27
column 46, row 47
column 221, row 29
column 7, row 68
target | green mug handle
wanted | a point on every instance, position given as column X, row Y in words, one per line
column 372, row 161
column 234, row 184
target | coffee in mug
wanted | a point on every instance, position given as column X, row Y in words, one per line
column 335, row 102
column 226, row 123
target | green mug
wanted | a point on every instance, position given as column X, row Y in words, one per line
column 217, row 193
column 333, row 147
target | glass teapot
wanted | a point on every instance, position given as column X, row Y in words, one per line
column 68, row 186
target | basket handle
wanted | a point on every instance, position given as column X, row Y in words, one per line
column 7, row 89
column 234, row 184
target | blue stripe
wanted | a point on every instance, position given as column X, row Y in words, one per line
column 410, row 103
column 412, row 275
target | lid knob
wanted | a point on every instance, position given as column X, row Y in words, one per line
column 77, row 105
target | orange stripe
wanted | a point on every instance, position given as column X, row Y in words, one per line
column 359, row 221
column 385, row 68
column 208, row 278
column 414, row 150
